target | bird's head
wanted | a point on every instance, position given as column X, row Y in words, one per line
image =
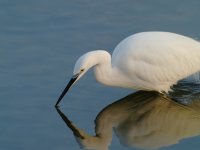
column 83, row 64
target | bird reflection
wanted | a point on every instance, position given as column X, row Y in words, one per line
column 146, row 120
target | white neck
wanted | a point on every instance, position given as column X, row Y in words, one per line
column 106, row 73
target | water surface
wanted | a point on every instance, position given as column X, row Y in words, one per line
column 40, row 41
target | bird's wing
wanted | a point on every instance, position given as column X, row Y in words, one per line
column 157, row 60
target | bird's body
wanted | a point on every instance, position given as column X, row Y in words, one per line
column 152, row 61
column 156, row 60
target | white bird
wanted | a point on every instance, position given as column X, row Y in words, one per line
column 151, row 61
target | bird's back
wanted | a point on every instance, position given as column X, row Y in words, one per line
column 157, row 60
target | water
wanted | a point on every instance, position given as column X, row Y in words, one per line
column 39, row 42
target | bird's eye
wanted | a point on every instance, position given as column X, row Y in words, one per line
column 82, row 70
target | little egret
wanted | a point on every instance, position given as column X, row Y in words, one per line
column 150, row 61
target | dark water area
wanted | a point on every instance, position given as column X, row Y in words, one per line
column 40, row 41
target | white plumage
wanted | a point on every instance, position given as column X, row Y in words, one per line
column 157, row 60
column 152, row 61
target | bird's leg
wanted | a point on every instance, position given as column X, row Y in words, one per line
column 173, row 98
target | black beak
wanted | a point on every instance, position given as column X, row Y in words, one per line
column 73, row 79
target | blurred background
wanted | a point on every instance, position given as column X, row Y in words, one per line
column 40, row 42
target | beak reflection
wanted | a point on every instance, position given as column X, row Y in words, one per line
column 74, row 129
column 70, row 83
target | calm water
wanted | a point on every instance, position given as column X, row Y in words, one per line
column 40, row 41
